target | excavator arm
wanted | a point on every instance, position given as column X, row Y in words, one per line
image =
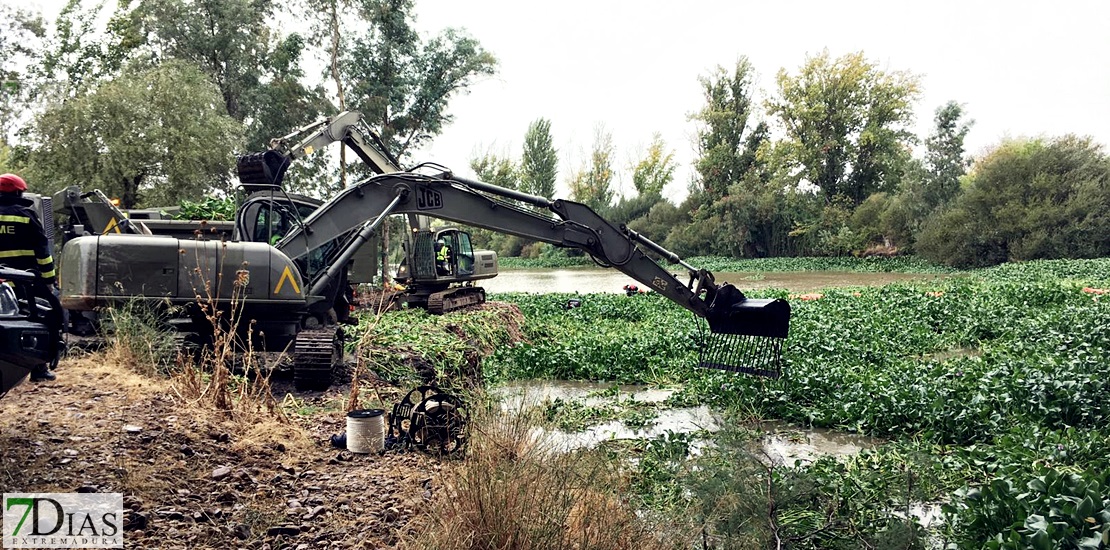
column 478, row 204
column 268, row 169
column 748, row 332
column 745, row 335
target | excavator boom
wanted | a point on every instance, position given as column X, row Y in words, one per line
column 745, row 334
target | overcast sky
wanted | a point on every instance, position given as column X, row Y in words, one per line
column 1020, row 68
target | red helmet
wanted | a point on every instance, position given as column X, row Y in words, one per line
column 11, row 183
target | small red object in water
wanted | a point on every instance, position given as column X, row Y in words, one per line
column 808, row 297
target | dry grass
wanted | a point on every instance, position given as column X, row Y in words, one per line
column 224, row 385
column 515, row 490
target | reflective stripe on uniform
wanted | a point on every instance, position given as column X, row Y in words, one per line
column 16, row 253
column 16, row 219
column 47, row 274
column 46, row 261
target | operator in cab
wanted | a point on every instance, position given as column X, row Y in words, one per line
column 23, row 243
column 443, row 257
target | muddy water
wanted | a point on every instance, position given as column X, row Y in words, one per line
column 782, row 443
column 598, row 280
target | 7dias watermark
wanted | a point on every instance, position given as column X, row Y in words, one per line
column 63, row 520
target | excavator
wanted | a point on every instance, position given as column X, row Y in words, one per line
column 287, row 288
column 268, row 211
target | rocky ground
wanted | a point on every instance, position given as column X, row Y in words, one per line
column 196, row 477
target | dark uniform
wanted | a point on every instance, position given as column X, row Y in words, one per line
column 23, row 243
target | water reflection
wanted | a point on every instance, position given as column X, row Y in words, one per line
column 786, row 444
column 598, row 280
column 782, row 443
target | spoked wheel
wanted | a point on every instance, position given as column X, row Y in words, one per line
column 439, row 424
column 430, row 420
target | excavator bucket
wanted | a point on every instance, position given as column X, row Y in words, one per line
column 745, row 335
column 266, row 168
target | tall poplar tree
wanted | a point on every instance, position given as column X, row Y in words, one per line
column 539, row 164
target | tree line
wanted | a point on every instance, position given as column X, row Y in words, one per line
column 826, row 166
column 150, row 102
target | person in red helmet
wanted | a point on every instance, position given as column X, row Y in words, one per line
column 23, row 243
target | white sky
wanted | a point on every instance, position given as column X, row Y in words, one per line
column 1021, row 68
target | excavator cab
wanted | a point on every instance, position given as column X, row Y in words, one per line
column 439, row 268
column 445, row 256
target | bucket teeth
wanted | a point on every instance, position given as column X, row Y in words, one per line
column 756, row 355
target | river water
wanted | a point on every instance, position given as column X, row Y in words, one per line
column 588, row 280
column 781, row 443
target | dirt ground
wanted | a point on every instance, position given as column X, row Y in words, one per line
column 194, row 477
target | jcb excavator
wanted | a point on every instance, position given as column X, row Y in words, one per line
column 290, row 291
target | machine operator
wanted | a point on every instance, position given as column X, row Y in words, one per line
column 443, row 257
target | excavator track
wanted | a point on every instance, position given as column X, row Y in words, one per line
column 315, row 355
column 455, row 298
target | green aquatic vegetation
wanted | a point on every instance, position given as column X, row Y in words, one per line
column 899, row 264
column 399, row 345
column 1025, row 396
column 571, row 415
column 993, row 387
column 618, row 338
column 552, row 262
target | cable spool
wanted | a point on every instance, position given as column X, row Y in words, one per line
column 366, row 431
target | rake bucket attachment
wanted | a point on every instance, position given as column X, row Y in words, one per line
column 745, row 335
column 266, row 168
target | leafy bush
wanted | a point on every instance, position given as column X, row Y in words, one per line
column 1027, row 199
column 211, row 208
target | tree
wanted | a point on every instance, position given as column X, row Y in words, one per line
column 593, row 185
column 403, row 85
column 1027, row 199
column 846, row 124
column 653, row 172
column 738, row 206
column 20, row 33
column 149, row 135
column 945, row 161
column 726, row 145
column 539, row 164
column 259, row 76
column 649, row 175
column 500, row 171
column 280, row 102
column 75, row 55
column 227, row 39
